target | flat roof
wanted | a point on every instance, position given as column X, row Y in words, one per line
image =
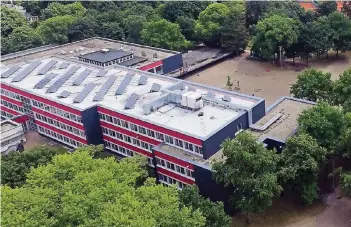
column 215, row 114
column 105, row 56
column 8, row 125
column 282, row 118
column 75, row 49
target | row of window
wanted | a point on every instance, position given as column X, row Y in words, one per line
column 175, row 168
column 150, row 133
column 57, row 111
column 10, row 94
column 61, row 125
column 59, row 137
column 107, row 63
column 123, row 151
column 171, row 181
column 7, row 115
column 12, row 106
column 125, row 138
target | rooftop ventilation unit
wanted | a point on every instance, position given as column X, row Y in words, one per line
column 227, row 98
column 105, row 50
column 192, row 100
column 130, row 103
column 142, row 80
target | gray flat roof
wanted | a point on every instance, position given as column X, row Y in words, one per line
column 106, row 56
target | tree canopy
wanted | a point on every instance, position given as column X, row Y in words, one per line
column 251, row 170
column 301, row 160
column 77, row 190
column 164, row 34
column 341, row 27
column 10, row 20
column 15, row 165
column 342, row 90
column 313, row 85
column 55, row 29
column 326, row 7
column 210, row 21
column 274, row 31
column 324, row 123
column 55, row 9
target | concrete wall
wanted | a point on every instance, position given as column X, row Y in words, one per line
column 258, row 111
column 213, row 143
column 91, row 123
column 172, row 63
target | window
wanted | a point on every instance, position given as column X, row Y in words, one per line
column 109, row 118
column 133, row 127
column 127, row 138
column 136, row 142
column 142, row 130
column 150, row 133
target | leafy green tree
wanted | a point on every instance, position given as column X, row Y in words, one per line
column 134, row 24
column 187, row 26
column 251, row 170
column 234, row 35
column 326, row 7
column 344, row 147
column 136, row 8
column 345, row 183
column 210, row 22
column 341, row 27
column 15, row 166
column 164, row 34
column 77, row 190
column 57, row 9
column 10, row 19
column 212, row 211
column 291, row 9
column 189, row 9
column 321, row 36
column 55, row 29
column 273, row 32
column 22, row 38
column 83, row 28
column 313, row 85
column 342, row 90
column 113, row 30
column 346, row 8
column 34, row 7
column 301, row 160
column 255, row 10
column 324, row 123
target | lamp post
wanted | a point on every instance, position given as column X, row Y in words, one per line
column 280, row 56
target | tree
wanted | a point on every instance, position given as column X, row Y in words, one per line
column 189, row 9
column 22, row 38
column 15, row 166
column 250, row 169
column 234, row 35
column 341, row 27
column 34, row 7
column 83, row 28
column 346, row 8
column 255, row 11
column 324, row 123
column 187, row 26
column 273, row 32
column 164, row 34
column 327, row 7
column 212, row 211
column 301, row 160
column 112, row 30
column 345, row 183
column 55, row 29
column 55, row 9
column 10, row 19
column 77, row 190
column 342, row 91
column 134, row 24
column 313, row 85
column 210, row 22
column 344, row 147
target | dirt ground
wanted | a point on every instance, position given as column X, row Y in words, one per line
column 34, row 139
column 332, row 212
column 264, row 79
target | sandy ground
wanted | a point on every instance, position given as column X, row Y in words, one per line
column 34, row 139
column 264, row 79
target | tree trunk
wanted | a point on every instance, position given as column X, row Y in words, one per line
column 248, row 218
column 337, row 54
column 294, row 59
column 327, row 55
column 307, row 59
